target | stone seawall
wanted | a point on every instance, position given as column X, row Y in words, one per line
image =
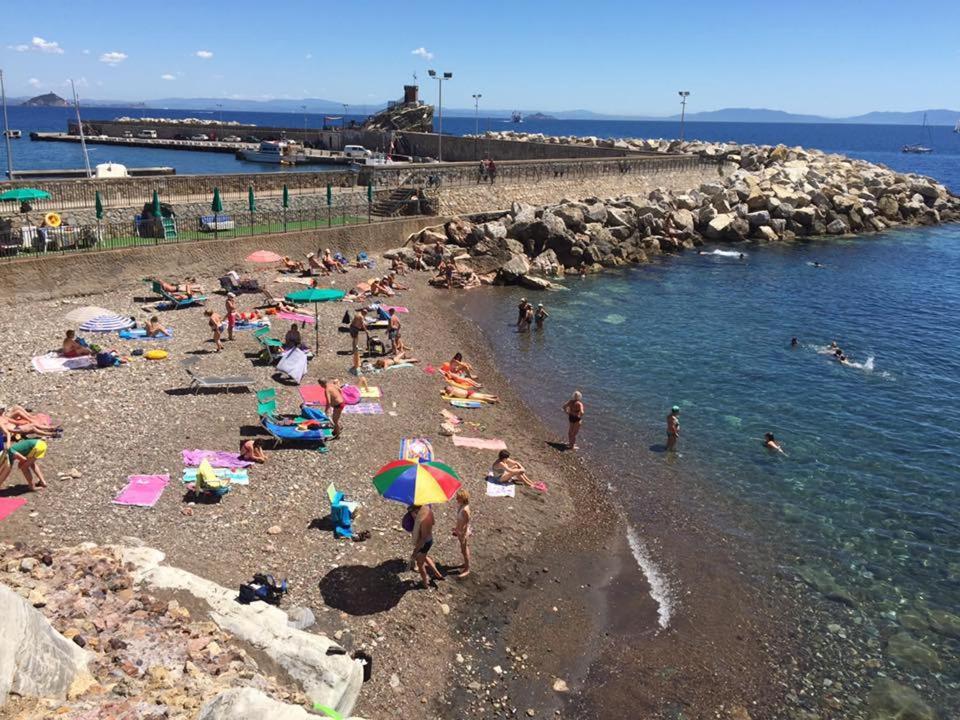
column 46, row 276
column 475, row 198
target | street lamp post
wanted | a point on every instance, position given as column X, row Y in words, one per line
column 440, row 78
column 220, row 114
column 683, row 109
column 344, row 122
column 476, row 113
column 304, row 108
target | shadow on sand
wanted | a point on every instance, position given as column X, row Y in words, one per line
column 363, row 590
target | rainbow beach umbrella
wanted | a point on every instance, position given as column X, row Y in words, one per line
column 417, row 483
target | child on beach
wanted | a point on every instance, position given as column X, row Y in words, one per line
column 215, row 321
column 26, row 453
column 251, row 451
column 154, row 328
column 231, row 308
column 462, row 531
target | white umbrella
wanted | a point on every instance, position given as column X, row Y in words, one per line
column 107, row 323
column 88, row 312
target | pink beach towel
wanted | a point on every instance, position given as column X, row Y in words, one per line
column 142, row 490
column 296, row 317
column 53, row 363
column 398, row 308
column 216, row 458
column 9, row 504
column 313, row 394
column 351, row 394
column 364, row 408
column 479, row 443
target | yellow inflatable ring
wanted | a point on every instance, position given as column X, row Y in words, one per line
column 155, row 354
column 52, row 219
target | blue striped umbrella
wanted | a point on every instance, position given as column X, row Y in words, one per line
column 107, row 323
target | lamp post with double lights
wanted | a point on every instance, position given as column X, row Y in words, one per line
column 440, row 78
column 684, row 94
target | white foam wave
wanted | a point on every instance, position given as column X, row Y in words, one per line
column 725, row 253
column 660, row 589
column 866, row 366
column 614, row 319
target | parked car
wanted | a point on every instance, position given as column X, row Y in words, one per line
column 128, row 133
column 181, row 136
column 232, row 138
column 356, row 151
column 147, row 134
column 251, row 139
column 200, row 137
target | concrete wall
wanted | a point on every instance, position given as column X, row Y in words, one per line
column 42, row 277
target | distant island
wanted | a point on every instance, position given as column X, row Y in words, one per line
column 539, row 116
column 48, row 100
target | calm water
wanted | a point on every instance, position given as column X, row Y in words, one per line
column 878, row 143
column 868, row 492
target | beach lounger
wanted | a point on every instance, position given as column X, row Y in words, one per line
column 288, row 433
column 211, row 223
column 226, row 381
column 177, row 302
column 247, row 286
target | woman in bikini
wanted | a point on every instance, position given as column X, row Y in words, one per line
column 574, row 409
column 462, row 531
column 469, row 394
column 459, row 367
column 251, row 451
column 505, row 470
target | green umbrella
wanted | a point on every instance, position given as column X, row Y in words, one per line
column 217, row 204
column 251, row 200
column 315, row 296
column 98, row 204
column 286, row 197
column 156, row 204
column 25, row 194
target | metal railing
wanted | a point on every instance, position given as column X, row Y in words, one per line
column 47, row 242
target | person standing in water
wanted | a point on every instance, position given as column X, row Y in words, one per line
column 574, row 408
column 540, row 315
column 673, row 427
column 521, row 311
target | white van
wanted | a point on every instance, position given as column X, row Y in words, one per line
column 152, row 134
column 356, row 151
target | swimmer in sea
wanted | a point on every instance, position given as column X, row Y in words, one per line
column 794, row 342
column 770, row 443
column 741, row 256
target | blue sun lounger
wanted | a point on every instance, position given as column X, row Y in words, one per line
column 288, row 433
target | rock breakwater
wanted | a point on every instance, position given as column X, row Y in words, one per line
column 761, row 194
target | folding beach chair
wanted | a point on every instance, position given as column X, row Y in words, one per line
column 177, row 302
column 219, row 383
column 271, row 348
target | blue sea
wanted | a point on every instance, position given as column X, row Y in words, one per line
column 877, row 143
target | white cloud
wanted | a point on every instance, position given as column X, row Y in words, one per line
column 85, row 52
column 46, row 46
column 34, row 83
column 423, row 53
column 309, row 56
column 168, row 76
column 204, row 54
column 18, row 48
column 113, row 58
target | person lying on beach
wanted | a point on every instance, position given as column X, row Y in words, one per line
column 469, row 394
column 422, row 542
column 153, row 328
column 214, row 321
column 251, row 451
column 398, row 359
column 378, row 287
column 9, row 427
column 20, row 419
column 291, row 265
column 506, row 470
column 26, row 453
column 462, row 531
column 335, row 402
column 459, row 367
column 770, row 443
column 392, row 282
column 72, row 347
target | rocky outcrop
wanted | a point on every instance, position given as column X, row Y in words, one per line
column 322, row 668
column 36, row 660
column 250, row 704
column 761, row 194
column 415, row 117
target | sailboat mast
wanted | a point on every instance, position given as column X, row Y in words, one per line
column 83, row 141
column 6, row 129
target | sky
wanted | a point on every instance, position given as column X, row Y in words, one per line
column 834, row 58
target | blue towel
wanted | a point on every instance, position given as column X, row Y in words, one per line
column 290, row 432
column 141, row 334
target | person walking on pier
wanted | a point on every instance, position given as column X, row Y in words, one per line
column 492, row 171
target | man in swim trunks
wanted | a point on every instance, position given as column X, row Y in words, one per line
column 358, row 325
column 469, row 394
column 422, row 542
column 521, row 311
column 673, row 427
column 393, row 332
column 335, row 402
column 215, row 321
column 575, row 409
column 26, row 453
column 71, row 348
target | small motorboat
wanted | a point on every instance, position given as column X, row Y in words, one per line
column 14, row 134
column 916, row 149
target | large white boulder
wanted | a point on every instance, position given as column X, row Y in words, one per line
column 251, row 704
column 332, row 680
column 36, row 660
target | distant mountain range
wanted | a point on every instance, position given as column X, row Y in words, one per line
column 316, row 106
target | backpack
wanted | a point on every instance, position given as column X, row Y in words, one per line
column 263, row 587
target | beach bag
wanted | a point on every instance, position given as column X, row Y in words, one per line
column 407, row 522
column 105, row 360
column 263, row 587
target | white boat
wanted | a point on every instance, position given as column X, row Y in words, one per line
column 918, row 148
column 956, row 128
column 278, row 152
column 111, row 170
column 374, row 159
column 14, row 134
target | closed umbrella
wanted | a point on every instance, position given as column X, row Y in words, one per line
column 286, row 204
column 24, row 194
column 251, row 200
column 217, row 207
column 316, row 296
column 413, row 482
column 98, row 204
column 156, row 205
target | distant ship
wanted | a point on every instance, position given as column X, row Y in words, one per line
column 956, row 128
column 516, row 117
column 919, row 149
